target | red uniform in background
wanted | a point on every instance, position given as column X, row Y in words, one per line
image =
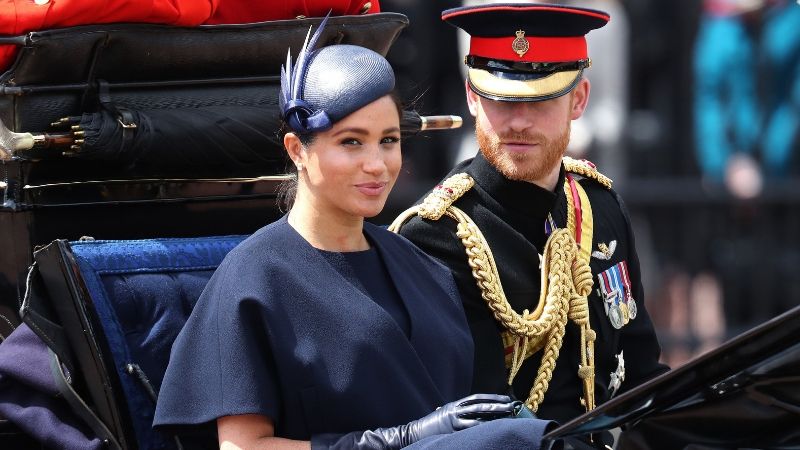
column 21, row 16
column 244, row 11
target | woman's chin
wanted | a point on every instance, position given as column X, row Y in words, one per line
column 371, row 210
column 372, row 213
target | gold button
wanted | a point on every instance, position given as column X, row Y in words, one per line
column 366, row 8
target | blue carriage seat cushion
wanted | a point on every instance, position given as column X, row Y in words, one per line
column 143, row 292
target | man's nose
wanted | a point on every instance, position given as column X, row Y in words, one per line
column 520, row 116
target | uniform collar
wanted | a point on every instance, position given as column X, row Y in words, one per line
column 517, row 197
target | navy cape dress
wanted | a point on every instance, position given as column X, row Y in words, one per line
column 279, row 332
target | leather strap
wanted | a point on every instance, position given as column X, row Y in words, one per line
column 80, row 408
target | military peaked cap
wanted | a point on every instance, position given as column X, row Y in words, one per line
column 525, row 51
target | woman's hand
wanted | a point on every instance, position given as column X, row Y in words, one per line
column 454, row 416
column 253, row 431
column 461, row 414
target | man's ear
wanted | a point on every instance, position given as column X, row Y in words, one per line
column 580, row 98
column 294, row 148
column 472, row 100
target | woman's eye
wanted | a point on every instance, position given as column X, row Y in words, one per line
column 390, row 140
column 350, row 141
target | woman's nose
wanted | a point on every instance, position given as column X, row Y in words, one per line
column 374, row 161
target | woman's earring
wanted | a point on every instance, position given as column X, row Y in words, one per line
column 299, row 167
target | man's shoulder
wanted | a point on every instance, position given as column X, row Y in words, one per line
column 598, row 193
column 587, row 170
column 418, row 229
column 597, row 186
column 429, row 210
column 428, row 227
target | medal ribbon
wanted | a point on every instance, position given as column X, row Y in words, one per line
column 618, row 285
column 626, row 279
column 606, row 285
column 579, row 217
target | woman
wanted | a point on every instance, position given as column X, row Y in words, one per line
column 321, row 325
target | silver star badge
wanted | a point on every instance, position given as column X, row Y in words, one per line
column 618, row 376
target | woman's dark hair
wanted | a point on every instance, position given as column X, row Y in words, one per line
column 287, row 191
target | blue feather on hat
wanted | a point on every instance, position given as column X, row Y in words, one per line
column 325, row 85
column 296, row 111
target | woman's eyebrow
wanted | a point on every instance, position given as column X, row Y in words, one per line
column 351, row 130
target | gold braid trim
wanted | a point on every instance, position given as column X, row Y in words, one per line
column 566, row 281
column 579, row 307
column 479, row 256
column 443, row 195
column 586, row 169
column 564, row 284
column 436, row 203
column 579, row 313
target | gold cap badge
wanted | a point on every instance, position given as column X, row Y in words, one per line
column 520, row 44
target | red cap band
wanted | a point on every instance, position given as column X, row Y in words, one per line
column 540, row 49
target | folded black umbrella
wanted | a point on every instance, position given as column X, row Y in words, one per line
column 228, row 137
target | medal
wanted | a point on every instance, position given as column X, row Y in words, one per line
column 611, row 295
column 615, row 288
column 626, row 281
column 615, row 316
column 615, row 280
column 632, row 308
column 626, row 317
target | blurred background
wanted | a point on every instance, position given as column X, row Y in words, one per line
column 694, row 114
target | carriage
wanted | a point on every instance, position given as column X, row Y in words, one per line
column 135, row 156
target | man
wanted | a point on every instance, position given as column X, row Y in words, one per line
column 519, row 222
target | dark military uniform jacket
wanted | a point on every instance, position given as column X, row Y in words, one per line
column 512, row 215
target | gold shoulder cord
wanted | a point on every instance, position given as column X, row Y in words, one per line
column 586, row 169
column 565, row 277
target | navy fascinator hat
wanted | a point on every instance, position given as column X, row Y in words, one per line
column 327, row 84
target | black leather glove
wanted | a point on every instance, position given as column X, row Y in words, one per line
column 454, row 416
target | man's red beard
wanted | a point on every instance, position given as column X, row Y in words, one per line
column 521, row 166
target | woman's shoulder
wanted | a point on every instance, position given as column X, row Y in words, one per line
column 400, row 246
column 255, row 271
column 265, row 250
column 269, row 238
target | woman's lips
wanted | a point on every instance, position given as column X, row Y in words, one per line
column 372, row 188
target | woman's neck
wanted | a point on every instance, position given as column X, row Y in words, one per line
column 329, row 232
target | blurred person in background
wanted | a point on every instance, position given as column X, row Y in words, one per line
column 780, row 53
column 746, row 120
column 541, row 247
